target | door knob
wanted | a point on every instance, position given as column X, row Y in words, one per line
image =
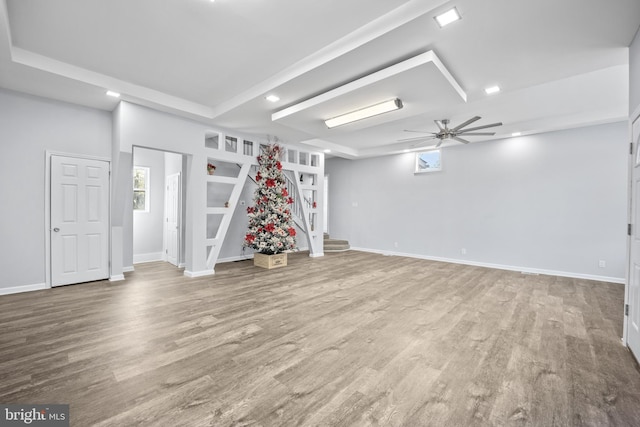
column 56, row 229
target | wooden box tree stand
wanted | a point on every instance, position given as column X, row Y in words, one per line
column 270, row 261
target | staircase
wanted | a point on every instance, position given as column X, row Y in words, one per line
column 335, row 245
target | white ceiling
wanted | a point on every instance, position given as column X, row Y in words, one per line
column 560, row 64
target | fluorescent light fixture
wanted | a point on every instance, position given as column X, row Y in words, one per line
column 492, row 90
column 516, row 134
column 364, row 113
column 447, row 17
column 112, row 93
column 272, row 98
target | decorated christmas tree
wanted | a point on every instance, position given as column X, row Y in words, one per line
column 271, row 229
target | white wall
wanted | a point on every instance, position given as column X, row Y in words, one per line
column 29, row 126
column 554, row 202
column 148, row 226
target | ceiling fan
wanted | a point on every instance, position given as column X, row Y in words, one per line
column 452, row 133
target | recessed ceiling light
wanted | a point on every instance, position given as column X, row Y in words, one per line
column 364, row 113
column 327, row 151
column 112, row 93
column 447, row 17
column 516, row 134
column 492, row 90
column 272, row 98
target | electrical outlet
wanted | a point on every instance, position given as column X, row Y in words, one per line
column 602, row 263
column 463, row 251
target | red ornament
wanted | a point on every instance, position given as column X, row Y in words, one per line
column 249, row 238
column 290, row 200
column 271, row 183
column 270, row 227
column 285, row 193
column 314, row 205
column 279, row 166
column 258, row 176
column 292, row 231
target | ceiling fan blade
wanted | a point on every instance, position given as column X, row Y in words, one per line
column 464, row 141
column 439, row 124
column 439, row 143
column 483, row 127
column 418, row 131
column 417, row 138
column 467, row 123
column 464, row 133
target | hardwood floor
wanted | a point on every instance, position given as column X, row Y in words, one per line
column 347, row 339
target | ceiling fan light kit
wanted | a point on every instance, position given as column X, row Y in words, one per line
column 364, row 113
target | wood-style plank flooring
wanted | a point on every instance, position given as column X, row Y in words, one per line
column 348, row 339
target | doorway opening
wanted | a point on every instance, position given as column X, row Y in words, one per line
column 158, row 207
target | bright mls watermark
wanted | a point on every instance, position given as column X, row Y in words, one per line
column 34, row 415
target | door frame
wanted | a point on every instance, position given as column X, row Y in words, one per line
column 635, row 116
column 47, row 207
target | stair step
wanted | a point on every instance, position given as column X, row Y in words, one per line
column 336, row 249
column 335, row 242
column 335, row 245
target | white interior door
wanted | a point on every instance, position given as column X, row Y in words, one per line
column 79, row 220
column 633, row 319
column 172, row 223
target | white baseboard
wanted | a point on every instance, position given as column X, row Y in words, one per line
column 128, row 269
column 499, row 266
column 151, row 257
column 318, row 255
column 194, row 274
column 235, row 258
column 116, row 278
column 23, row 288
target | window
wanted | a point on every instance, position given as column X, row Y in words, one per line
column 428, row 161
column 140, row 189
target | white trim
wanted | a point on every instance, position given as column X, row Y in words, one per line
column 23, row 288
column 116, row 278
column 203, row 273
column 128, row 269
column 150, row 257
column 619, row 280
column 316, row 255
